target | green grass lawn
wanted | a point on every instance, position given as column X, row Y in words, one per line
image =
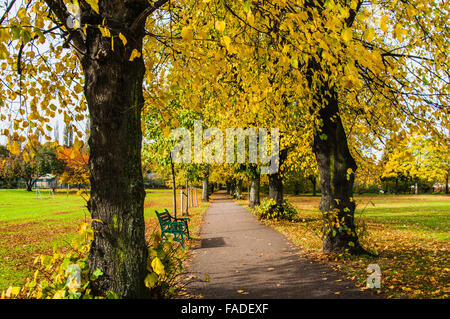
column 31, row 226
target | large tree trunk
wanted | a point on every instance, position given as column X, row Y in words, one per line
column 337, row 171
column 276, row 181
column 335, row 162
column 113, row 89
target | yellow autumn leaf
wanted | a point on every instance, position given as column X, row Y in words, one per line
column 134, row 54
column 60, row 294
column 157, row 266
column 220, row 26
column 22, row 13
column 15, row 149
column 369, row 34
column 250, row 18
column 12, row 292
column 166, row 131
column 186, row 34
column 347, row 35
column 383, row 24
column 123, row 38
column 78, row 144
column 227, row 41
column 94, row 5
column 105, row 31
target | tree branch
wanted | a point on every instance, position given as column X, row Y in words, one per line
column 140, row 20
column 60, row 10
column 7, row 11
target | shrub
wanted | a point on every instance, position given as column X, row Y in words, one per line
column 164, row 265
column 269, row 209
column 66, row 276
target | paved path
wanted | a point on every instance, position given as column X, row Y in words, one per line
column 239, row 253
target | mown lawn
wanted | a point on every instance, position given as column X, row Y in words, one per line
column 30, row 226
column 410, row 234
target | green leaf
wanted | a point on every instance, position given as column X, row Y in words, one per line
column 112, row 295
column 97, row 273
column 26, row 36
column 150, row 280
column 15, row 32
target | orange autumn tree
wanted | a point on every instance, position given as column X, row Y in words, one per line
column 76, row 169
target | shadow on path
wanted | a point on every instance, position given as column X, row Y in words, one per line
column 243, row 258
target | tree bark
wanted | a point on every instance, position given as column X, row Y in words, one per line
column 232, row 187
column 336, row 165
column 337, row 172
column 29, row 183
column 446, row 185
column 253, row 198
column 238, row 189
column 276, row 181
column 113, row 89
column 228, row 188
column 314, row 183
column 205, row 190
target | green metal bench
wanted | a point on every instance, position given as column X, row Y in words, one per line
column 178, row 227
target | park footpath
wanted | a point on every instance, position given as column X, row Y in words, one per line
column 238, row 257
